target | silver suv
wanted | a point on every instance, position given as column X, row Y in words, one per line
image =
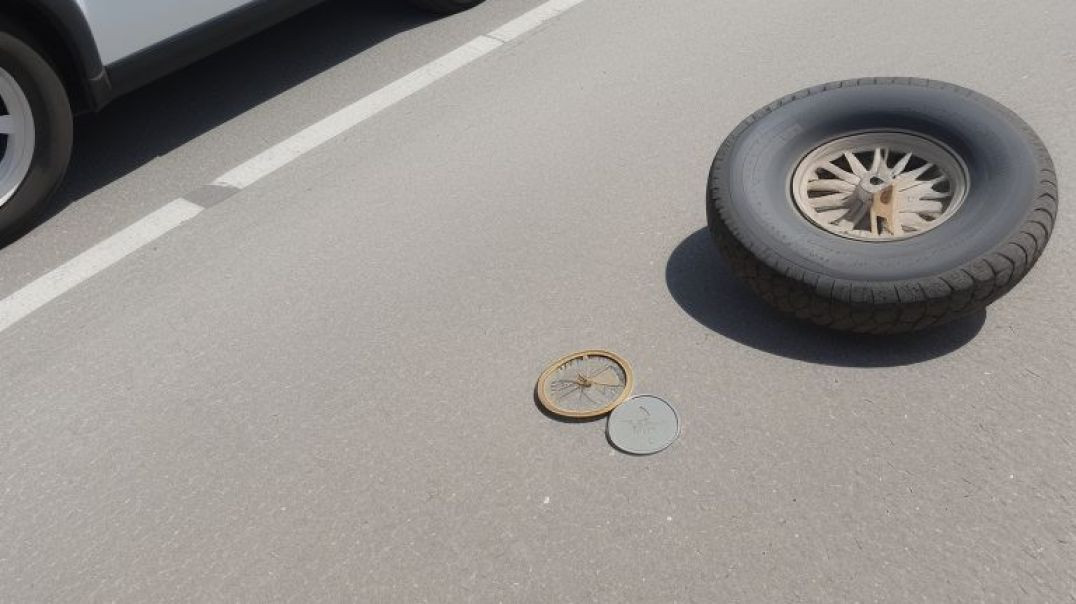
column 61, row 57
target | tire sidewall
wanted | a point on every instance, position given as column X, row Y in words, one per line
column 755, row 199
column 52, row 127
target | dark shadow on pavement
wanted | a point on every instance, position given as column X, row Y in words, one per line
column 156, row 119
column 701, row 283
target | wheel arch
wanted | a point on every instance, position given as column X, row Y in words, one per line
column 58, row 29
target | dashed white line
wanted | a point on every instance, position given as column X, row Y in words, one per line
column 317, row 134
column 532, row 19
column 53, row 284
column 106, row 253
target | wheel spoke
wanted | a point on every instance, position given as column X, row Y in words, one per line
column 844, row 175
column 876, row 161
column 599, row 372
column 916, row 173
column 932, row 194
column 917, row 206
column 832, row 216
column 914, row 223
column 857, row 214
column 587, row 396
column 831, row 184
column 837, row 185
column 901, row 164
column 830, row 202
column 921, row 188
column 7, row 124
column 857, row 167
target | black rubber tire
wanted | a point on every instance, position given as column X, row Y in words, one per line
column 950, row 271
column 446, row 7
column 52, row 125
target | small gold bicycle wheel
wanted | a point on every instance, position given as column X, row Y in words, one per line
column 585, row 384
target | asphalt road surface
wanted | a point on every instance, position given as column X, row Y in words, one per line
column 321, row 388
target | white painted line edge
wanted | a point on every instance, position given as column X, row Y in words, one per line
column 328, row 128
column 317, row 134
column 68, row 275
column 532, row 19
column 56, row 282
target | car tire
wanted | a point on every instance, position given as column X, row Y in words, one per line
column 446, row 7
column 31, row 84
column 930, row 274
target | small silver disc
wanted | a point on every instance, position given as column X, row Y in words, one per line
column 643, row 425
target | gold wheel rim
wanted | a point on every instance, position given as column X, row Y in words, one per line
column 547, row 400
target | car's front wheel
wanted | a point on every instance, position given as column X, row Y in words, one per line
column 446, row 7
column 35, row 130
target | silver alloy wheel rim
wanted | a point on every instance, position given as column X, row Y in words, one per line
column 837, row 185
column 17, row 137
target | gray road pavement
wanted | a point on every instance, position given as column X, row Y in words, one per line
column 321, row 389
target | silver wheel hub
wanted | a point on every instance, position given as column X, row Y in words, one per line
column 17, row 137
column 879, row 186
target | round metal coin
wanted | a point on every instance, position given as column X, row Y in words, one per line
column 643, row 425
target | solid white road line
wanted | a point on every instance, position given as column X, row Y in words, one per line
column 51, row 285
column 532, row 19
column 317, row 134
column 96, row 259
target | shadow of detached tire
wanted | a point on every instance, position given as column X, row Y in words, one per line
column 810, row 234
column 703, row 285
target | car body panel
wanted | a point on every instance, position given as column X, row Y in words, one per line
column 123, row 27
column 116, row 46
column 205, row 38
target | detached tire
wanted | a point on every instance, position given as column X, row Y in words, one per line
column 806, row 225
column 446, row 7
column 35, row 130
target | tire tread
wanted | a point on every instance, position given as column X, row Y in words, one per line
column 887, row 307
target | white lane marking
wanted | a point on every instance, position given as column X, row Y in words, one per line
column 56, row 282
column 317, row 134
column 532, row 19
column 311, row 137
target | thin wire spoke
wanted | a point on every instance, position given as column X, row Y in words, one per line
column 563, row 386
column 587, row 396
column 600, row 371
